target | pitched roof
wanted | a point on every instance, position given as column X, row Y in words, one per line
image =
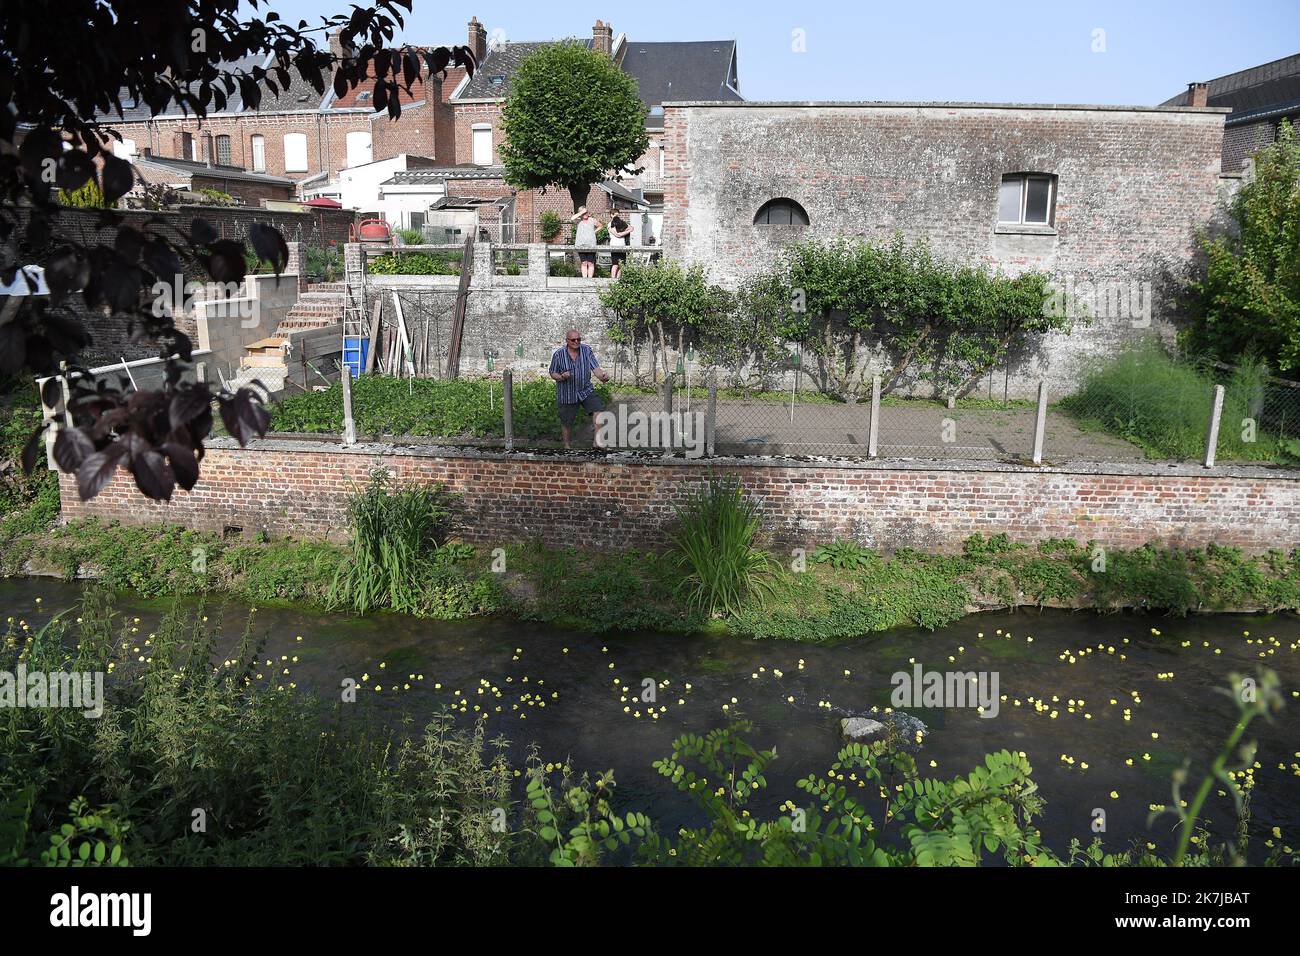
column 689, row 70
column 492, row 78
column 136, row 112
column 187, row 168
column 1258, row 90
column 440, row 174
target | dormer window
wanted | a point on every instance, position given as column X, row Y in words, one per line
column 1027, row 199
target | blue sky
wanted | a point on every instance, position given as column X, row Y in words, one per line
column 923, row 50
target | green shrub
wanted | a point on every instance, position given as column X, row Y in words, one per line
column 416, row 264
column 86, row 196
column 411, row 237
column 845, row 556
column 550, row 225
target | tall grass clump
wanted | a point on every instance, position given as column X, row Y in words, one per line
column 1149, row 398
column 713, row 543
column 396, row 532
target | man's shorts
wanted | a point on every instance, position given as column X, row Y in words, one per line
column 569, row 413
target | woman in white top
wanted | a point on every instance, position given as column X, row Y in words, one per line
column 619, row 230
column 584, row 237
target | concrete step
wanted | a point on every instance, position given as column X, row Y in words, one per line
column 263, row 360
column 274, row 343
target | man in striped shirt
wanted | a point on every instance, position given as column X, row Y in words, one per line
column 572, row 367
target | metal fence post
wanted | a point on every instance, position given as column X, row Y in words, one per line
column 873, row 426
column 711, row 417
column 1212, row 437
column 1040, row 423
column 349, row 426
column 508, row 407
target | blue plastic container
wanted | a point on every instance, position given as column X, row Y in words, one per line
column 355, row 350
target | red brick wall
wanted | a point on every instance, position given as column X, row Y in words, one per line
column 465, row 117
column 300, row 489
column 425, row 130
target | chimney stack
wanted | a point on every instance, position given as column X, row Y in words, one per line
column 602, row 38
column 477, row 39
column 336, row 46
column 1197, row 94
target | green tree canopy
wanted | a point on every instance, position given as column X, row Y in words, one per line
column 572, row 120
column 1248, row 300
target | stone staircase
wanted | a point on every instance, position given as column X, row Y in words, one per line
column 319, row 307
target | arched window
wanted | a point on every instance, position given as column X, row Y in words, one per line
column 781, row 212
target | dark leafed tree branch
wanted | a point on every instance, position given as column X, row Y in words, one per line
column 67, row 69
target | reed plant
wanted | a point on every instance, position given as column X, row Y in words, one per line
column 713, row 543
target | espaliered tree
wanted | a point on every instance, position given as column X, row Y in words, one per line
column 659, row 303
column 930, row 320
column 67, row 67
column 572, row 119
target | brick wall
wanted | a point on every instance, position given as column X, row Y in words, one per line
column 1133, row 187
column 465, row 117
column 1242, row 141
column 426, row 130
column 300, row 489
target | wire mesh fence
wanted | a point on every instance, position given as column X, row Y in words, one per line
column 1221, row 416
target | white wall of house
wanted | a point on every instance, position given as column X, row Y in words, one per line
column 358, row 187
column 406, row 207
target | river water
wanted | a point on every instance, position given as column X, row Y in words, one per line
column 565, row 692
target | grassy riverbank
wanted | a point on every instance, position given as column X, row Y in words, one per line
column 842, row 591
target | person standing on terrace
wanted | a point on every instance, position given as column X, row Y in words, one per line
column 572, row 367
column 584, row 237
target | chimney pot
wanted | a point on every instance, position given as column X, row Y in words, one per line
column 1197, row 94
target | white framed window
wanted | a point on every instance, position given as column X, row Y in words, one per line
column 1027, row 199
column 359, row 148
column 295, row 152
column 482, row 144
column 258, row 144
column 189, row 148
